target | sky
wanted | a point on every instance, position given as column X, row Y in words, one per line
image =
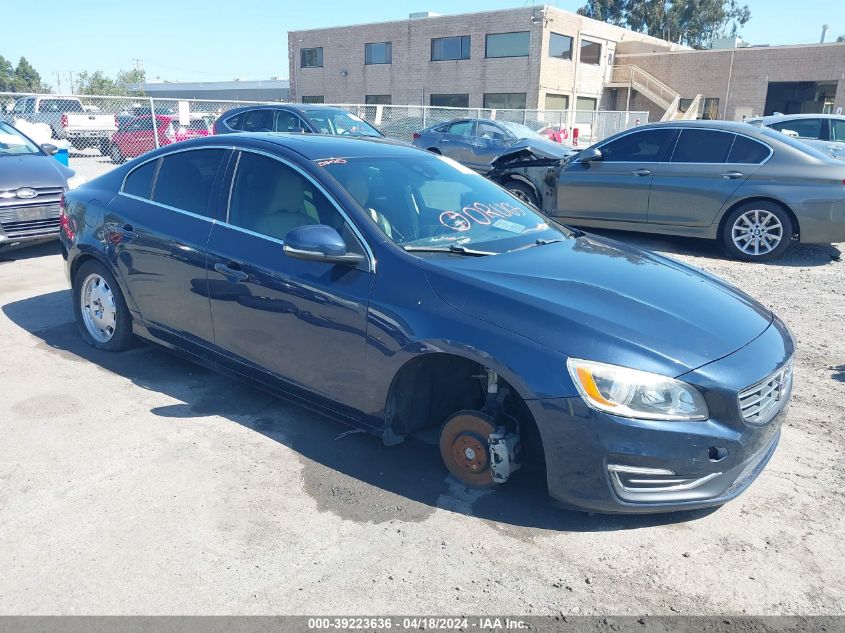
column 189, row 40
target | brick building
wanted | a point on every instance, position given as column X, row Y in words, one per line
column 550, row 59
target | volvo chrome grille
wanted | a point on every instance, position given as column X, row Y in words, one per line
column 761, row 402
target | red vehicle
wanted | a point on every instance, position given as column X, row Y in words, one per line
column 136, row 136
column 554, row 133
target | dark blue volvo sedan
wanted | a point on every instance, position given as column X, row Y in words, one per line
column 399, row 291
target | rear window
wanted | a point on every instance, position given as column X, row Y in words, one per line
column 59, row 105
column 702, row 146
column 186, row 179
column 793, row 143
column 746, row 150
column 140, row 181
column 800, row 128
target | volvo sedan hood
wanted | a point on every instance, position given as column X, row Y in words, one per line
column 597, row 299
column 34, row 170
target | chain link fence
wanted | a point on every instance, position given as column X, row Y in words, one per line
column 101, row 131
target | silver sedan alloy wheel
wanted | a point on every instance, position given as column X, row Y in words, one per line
column 521, row 195
column 757, row 232
column 98, row 310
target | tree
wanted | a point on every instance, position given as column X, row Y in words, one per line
column 128, row 78
column 841, row 38
column 27, row 78
column 691, row 22
column 7, row 75
column 97, row 83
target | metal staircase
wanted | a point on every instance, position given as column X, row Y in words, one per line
column 635, row 78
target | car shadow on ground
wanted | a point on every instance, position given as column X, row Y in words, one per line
column 350, row 474
column 29, row 251
column 798, row 255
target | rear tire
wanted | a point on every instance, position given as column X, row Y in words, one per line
column 523, row 192
column 105, row 147
column 101, row 313
column 117, row 156
column 757, row 231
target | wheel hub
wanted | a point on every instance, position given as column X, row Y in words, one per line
column 465, row 448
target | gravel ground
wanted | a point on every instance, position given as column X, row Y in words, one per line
column 138, row 483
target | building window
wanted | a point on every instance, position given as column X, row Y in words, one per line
column 711, row 108
column 446, row 48
column 311, row 57
column 504, row 100
column 507, row 44
column 590, row 52
column 557, row 102
column 560, row 46
column 451, row 101
column 584, row 107
column 377, row 99
column 378, row 53
column 313, row 99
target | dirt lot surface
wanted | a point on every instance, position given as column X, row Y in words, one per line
column 140, row 483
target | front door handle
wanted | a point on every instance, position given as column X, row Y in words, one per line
column 232, row 271
column 642, row 172
column 730, row 175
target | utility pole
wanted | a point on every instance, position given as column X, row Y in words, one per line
column 58, row 75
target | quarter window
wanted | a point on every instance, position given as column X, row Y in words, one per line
column 590, row 52
column 140, row 181
column 311, row 57
column 446, row 48
column 560, row 46
column 234, row 122
column 702, row 146
column 186, row 179
column 378, row 53
column 508, row 44
column 746, row 150
column 271, row 198
column 648, row 146
column 800, row 128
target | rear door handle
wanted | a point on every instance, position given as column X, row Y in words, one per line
column 730, row 175
column 232, row 271
column 642, row 172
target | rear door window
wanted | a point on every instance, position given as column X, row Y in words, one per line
column 186, row 179
column 648, row 146
column 749, row 151
column 703, row 146
column 287, row 121
column 258, row 121
column 140, row 181
column 461, row 128
column 800, row 128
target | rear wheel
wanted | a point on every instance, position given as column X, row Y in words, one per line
column 757, row 231
column 105, row 147
column 100, row 309
column 465, row 448
column 523, row 192
column 116, row 154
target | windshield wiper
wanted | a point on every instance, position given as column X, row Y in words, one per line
column 458, row 249
column 538, row 242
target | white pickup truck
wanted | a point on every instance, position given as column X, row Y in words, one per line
column 68, row 119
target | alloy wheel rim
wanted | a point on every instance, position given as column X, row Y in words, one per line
column 98, row 309
column 521, row 195
column 757, row 232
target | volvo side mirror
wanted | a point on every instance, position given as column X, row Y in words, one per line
column 319, row 243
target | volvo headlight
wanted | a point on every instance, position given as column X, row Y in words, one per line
column 632, row 393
